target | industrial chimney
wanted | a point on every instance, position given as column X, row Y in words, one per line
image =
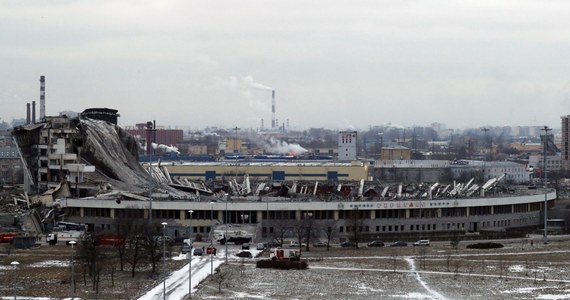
column 42, row 98
column 28, row 119
column 33, row 112
column 273, row 123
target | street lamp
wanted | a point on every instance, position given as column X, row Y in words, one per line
column 15, row 264
column 226, row 221
column 236, row 151
column 72, row 243
column 151, row 127
column 545, row 141
column 164, row 259
column 190, row 258
column 211, row 238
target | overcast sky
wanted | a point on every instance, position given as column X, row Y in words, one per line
column 334, row 64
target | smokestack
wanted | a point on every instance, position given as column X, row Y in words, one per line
column 42, row 98
column 28, row 120
column 33, row 112
column 273, row 123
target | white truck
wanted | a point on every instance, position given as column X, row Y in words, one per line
column 64, row 236
column 234, row 235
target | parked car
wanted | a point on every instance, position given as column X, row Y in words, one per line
column 348, row 244
column 399, row 244
column 376, row 243
column 295, row 244
column 166, row 239
column 245, row 254
column 421, row 243
column 186, row 249
column 272, row 244
column 198, row 252
column 260, row 246
column 320, row 244
column 245, row 246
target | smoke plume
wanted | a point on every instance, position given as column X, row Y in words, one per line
column 274, row 146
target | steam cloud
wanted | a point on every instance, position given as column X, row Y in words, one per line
column 248, row 80
column 246, row 86
column 165, row 148
column 282, row 147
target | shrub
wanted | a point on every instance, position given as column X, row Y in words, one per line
column 488, row 245
column 282, row 264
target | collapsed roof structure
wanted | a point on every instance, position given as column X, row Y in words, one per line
column 84, row 156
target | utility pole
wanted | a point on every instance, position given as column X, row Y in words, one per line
column 151, row 127
column 486, row 142
column 544, row 145
column 236, row 151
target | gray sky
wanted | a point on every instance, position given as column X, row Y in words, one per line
column 335, row 64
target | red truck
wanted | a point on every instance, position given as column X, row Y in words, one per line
column 115, row 240
column 7, row 237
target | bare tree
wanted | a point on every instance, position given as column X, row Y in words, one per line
column 330, row 231
column 96, row 278
column 355, row 223
column 89, row 253
column 135, row 251
column 152, row 245
column 282, row 226
column 220, row 277
column 125, row 227
column 299, row 231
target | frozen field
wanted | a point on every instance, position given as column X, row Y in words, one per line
column 517, row 271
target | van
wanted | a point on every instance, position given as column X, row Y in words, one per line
column 186, row 249
column 421, row 243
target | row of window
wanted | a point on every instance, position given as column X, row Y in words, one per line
column 251, row 216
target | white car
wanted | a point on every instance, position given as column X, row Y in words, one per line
column 295, row 244
column 421, row 243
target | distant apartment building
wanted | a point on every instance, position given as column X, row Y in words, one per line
column 395, row 152
column 553, row 162
column 565, row 137
column 444, row 171
column 527, row 147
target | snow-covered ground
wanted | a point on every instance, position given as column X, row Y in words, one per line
column 517, row 271
column 178, row 283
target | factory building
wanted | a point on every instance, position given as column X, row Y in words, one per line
column 272, row 171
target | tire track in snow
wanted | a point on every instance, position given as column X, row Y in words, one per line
column 412, row 264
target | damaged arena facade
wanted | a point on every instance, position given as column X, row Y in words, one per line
column 85, row 170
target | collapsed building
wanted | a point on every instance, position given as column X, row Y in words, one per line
column 85, row 170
